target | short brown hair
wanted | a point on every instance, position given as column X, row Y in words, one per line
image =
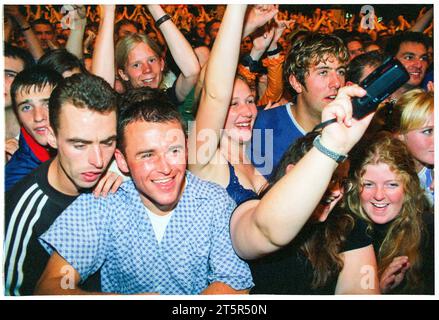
column 310, row 50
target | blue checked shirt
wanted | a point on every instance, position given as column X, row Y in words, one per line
column 115, row 234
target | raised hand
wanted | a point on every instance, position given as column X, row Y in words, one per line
column 342, row 135
column 257, row 16
column 263, row 40
column 394, row 274
column 11, row 145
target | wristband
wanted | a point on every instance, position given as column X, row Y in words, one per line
column 24, row 29
column 275, row 51
column 162, row 19
column 254, row 66
column 337, row 157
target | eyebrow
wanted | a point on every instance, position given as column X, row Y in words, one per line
column 79, row 140
column 385, row 181
column 11, row 71
column 152, row 150
column 32, row 101
column 414, row 54
column 144, row 151
column 326, row 67
column 148, row 57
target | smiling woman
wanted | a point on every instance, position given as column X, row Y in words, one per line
column 140, row 61
column 413, row 123
column 387, row 195
column 227, row 109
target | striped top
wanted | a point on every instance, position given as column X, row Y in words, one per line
column 31, row 206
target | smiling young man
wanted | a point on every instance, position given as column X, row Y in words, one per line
column 410, row 48
column 82, row 112
column 165, row 231
column 314, row 69
column 30, row 93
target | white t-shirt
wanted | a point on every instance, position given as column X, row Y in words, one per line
column 159, row 223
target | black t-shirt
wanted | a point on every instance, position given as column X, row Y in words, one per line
column 288, row 271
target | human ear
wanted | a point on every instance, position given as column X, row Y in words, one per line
column 121, row 162
column 297, row 86
column 122, row 74
column 51, row 138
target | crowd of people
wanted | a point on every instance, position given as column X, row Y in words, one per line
column 181, row 149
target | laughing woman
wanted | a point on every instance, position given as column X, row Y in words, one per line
column 329, row 251
column 387, row 195
column 228, row 103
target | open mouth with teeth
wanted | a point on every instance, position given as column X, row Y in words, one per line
column 162, row 181
column 330, row 98
column 243, row 125
column 415, row 74
column 41, row 130
column 164, row 184
column 147, row 82
column 379, row 205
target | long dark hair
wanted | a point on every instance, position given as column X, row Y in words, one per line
column 322, row 242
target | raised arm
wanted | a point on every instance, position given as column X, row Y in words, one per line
column 423, row 22
column 33, row 43
column 218, row 84
column 261, row 227
column 181, row 51
column 75, row 41
column 274, row 63
column 103, row 55
column 258, row 16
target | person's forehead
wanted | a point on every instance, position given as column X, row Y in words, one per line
column 141, row 49
column 167, row 128
column 70, row 115
column 378, row 170
column 128, row 27
column 354, row 43
column 144, row 135
column 26, row 92
column 42, row 27
column 327, row 60
column 14, row 63
column 413, row 47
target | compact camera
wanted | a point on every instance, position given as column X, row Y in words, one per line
column 381, row 83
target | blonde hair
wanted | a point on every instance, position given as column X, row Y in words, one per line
column 403, row 237
column 412, row 110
